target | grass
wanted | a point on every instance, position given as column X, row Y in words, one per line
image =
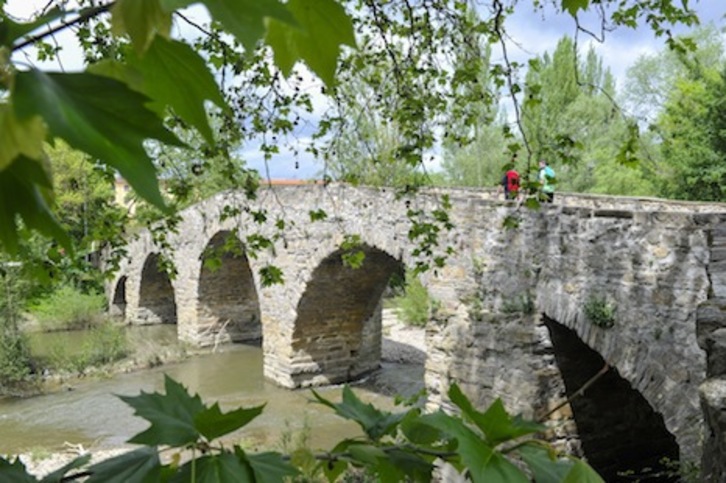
column 106, row 343
column 67, row 308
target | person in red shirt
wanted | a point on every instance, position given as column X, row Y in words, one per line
column 510, row 183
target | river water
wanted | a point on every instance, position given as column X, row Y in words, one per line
column 91, row 414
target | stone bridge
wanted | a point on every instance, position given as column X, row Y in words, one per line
column 634, row 288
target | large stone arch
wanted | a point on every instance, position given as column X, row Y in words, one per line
column 117, row 308
column 619, row 431
column 157, row 304
column 650, row 268
column 337, row 332
column 228, row 306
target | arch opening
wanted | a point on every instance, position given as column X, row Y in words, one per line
column 118, row 303
column 337, row 335
column 229, row 307
column 622, row 436
column 156, row 297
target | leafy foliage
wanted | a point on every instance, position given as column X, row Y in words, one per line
column 67, row 308
column 600, row 312
column 399, row 446
column 414, row 304
column 108, row 119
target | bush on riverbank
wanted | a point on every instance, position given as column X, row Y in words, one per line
column 15, row 360
column 414, row 304
column 106, row 343
column 67, row 308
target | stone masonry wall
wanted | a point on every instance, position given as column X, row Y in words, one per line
column 647, row 259
column 711, row 330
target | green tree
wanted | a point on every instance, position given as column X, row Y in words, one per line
column 651, row 78
column 365, row 148
column 475, row 150
column 677, row 97
column 693, row 166
column 571, row 119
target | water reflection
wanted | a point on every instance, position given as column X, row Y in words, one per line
column 92, row 415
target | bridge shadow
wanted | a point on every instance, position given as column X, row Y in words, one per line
column 622, row 436
column 400, row 352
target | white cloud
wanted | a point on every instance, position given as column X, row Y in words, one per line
column 288, row 164
column 535, row 33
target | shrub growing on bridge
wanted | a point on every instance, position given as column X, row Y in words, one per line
column 600, row 312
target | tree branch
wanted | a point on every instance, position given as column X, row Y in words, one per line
column 86, row 14
column 577, row 393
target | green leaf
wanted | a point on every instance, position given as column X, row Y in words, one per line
column 500, row 469
column 573, row 6
column 417, row 468
column 581, row 472
column 57, row 475
column 474, row 452
column 99, row 116
column 378, row 462
column 353, row 259
column 141, row 465
column 217, row 468
column 333, row 470
column 14, row 472
column 16, row 137
column 374, row 422
column 212, row 423
column 270, row 467
column 142, row 20
column 10, row 30
column 324, row 27
column 543, row 463
column 484, row 464
column 271, row 275
column 318, row 215
column 171, row 5
column 171, row 416
column 25, row 192
column 417, row 432
column 176, row 76
column 367, row 453
column 245, row 19
column 121, row 71
column 495, row 423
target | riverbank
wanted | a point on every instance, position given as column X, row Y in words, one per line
column 400, row 345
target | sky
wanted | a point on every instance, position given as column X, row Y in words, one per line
column 533, row 33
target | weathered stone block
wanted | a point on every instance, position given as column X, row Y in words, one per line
column 713, row 403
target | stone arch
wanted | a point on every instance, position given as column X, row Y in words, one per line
column 337, row 333
column 618, row 429
column 157, row 304
column 228, row 306
column 118, row 302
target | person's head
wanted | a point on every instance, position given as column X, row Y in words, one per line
column 542, row 163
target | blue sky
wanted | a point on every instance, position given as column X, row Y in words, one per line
column 533, row 33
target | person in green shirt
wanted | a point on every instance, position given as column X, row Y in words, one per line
column 546, row 178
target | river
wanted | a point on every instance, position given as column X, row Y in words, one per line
column 91, row 414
